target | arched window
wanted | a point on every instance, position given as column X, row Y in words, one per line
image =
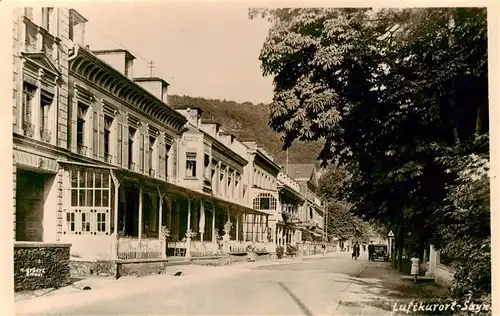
column 264, row 201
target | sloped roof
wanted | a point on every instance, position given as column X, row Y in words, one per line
column 300, row 171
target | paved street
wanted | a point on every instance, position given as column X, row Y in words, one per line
column 332, row 285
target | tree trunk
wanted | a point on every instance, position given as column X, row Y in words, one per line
column 479, row 121
column 401, row 238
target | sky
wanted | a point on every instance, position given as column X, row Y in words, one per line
column 201, row 50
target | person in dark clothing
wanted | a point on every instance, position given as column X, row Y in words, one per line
column 356, row 250
column 371, row 249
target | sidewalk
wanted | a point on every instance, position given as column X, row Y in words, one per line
column 377, row 289
column 106, row 288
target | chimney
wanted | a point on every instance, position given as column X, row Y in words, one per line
column 120, row 59
column 192, row 113
column 154, row 85
column 211, row 126
column 76, row 27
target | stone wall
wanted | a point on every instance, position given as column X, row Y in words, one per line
column 40, row 265
column 140, row 268
column 85, row 268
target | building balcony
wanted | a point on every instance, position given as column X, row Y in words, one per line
column 28, row 129
column 37, row 39
column 82, row 150
column 45, row 135
column 131, row 166
column 108, row 158
column 207, row 185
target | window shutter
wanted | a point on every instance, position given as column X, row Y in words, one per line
column 141, row 150
column 125, row 144
column 146, row 155
column 174, row 160
column 161, row 156
column 119, row 144
column 101, row 134
column 95, row 141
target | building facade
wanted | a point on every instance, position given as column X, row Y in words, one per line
column 312, row 212
column 102, row 162
column 288, row 230
column 40, row 120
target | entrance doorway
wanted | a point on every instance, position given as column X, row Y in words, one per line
column 132, row 211
column 30, row 199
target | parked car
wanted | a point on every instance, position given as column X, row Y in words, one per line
column 380, row 252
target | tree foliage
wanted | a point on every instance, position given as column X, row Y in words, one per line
column 399, row 97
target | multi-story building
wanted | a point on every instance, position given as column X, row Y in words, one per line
column 211, row 163
column 101, row 161
column 287, row 220
column 312, row 212
column 40, row 119
column 261, row 178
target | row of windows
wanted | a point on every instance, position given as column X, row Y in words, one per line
column 43, row 102
column 87, row 221
column 264, row 201
column 137, row 151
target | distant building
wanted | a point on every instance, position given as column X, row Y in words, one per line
column 312, row 211
column 261, row 177
column 287, row 220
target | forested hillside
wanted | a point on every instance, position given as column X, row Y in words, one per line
column 249, row 121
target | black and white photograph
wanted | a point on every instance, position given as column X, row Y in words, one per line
column 225, row 158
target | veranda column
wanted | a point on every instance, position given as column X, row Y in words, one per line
column 261, row 224
column 213, row 223
column 169, row 214
column 202, row 220
column 244, row 215
column 237, row 225
column 160, row 220
column 114, row 251
column 189, row 215
column 253, row 227
column 115, row 219
column 188, row 237
column 160, row 213
column 140, row 212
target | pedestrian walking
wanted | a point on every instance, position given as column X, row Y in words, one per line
column 356, row 250
column 415, row 267
column 323, row 246
column 371, row 249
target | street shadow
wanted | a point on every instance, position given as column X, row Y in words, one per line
column 301, row 304
column 381, row 286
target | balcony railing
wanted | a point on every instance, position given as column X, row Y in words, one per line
column 152, row 173
column 31, row 40
column 48, row 44
column 82, row 150
column 108, row 158
column 39, row 40
column 29, row 129
column 145, row 248
column 131, row 166
column 45, row 135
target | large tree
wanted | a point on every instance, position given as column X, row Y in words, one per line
column 393, row 93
